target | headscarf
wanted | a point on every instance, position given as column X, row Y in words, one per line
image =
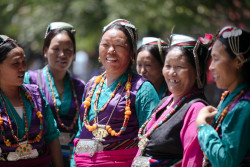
column 61, row 26
column 129, row 27
column 198, row 50
column 238, row 40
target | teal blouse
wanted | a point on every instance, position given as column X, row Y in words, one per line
column 230, row 149
column 162, row 89
column 64, row 104
column 51, row 133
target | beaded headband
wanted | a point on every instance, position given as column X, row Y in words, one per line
column 60, row 26
column 234, row 36
column 193, row 44
column 155, row 41
column 129, row 27
column 4, row 39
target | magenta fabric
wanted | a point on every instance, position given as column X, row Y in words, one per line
column 192, row 154
column 114, row 158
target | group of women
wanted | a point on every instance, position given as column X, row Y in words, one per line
column 158, row 117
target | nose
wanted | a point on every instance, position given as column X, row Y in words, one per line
column 211, row 66
column 111, row 49
column 172, row 71
column 22, row 67
column 61, row 53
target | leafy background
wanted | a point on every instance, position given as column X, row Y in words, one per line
column 27, row 20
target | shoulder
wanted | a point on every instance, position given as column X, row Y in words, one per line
column 32, row 88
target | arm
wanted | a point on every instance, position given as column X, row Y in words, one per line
column 230, row 149
column 56, row 153
column 192, row 154
column 146, row 100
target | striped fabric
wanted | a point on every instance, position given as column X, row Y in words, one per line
column 129, row 143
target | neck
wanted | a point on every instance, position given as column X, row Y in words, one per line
column 12, row 94
column 158, row 83
column 111, row 78
column 57, row 75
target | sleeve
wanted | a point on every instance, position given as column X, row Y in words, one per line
column 52, row 132
column 192, row 154
column 146, row 100
column 26, row 79
column 230, row 149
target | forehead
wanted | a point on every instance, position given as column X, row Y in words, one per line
column 218, row 47
column 176, row 54
column 15, row 53
column 61, row 37
column 114, row 34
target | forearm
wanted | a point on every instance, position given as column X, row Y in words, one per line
column 56, row 152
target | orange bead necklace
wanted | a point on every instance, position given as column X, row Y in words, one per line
column 87, row 104
column 38, row 114
column 68, row 128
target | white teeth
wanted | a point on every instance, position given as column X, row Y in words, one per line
column 174, row 81
column 111, row 59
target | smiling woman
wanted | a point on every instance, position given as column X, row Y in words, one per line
column 63, row 92
column 28, row 132
column 110, row 119
column 224, row 131
column 169, row 136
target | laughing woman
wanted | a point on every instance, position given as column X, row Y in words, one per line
column 29, row 136
column 116, row 103
column 226, row 141
column 63, row 92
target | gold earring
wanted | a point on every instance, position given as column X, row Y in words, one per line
column 133, row 61
column 99, row 60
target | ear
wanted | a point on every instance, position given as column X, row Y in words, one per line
column 239, row 61
column 45, row 53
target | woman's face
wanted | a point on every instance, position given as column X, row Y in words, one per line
column 115, row 52
column 148, row 67
column 224, row 69
column 179, row 74
column 60, row 53
column 13, row 68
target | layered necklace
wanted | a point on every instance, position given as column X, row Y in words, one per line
column 144, row 138
column 101, row 131
column 218, row 122
column 23, row 147
column 68, row 128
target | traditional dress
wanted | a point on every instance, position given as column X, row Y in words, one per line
column 231, row 147
column 176, row 138
column 49, row 129
column 118, row 150
column 67, row 107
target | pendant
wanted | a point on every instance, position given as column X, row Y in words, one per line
column 142, row 144
column 88, row 146
column 141, row 161
column 65, row 138
column 100, row 132
column 14, row 156
column 24, row 148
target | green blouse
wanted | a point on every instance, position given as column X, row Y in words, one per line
column 229, row 149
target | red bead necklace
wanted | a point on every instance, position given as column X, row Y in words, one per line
column 68, row 128
column 87, row 104
column 221, row 117
column 223, row 114
column 171, row 112
column 39, row 116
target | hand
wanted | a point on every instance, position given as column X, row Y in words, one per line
column 206, row 115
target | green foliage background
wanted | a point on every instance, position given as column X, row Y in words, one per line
column 27, row 20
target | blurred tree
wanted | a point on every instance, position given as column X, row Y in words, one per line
column 27, row 20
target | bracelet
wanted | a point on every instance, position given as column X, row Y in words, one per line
column 199, row 127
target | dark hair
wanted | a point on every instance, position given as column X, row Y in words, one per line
column 154, row 51
column 53, row 33
column 202, row 53
column 6, row 48
column 246, row 66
